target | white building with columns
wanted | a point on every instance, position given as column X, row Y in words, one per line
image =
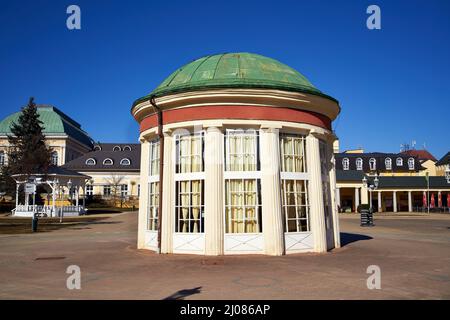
column 243, row 147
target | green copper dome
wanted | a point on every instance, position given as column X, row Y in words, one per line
column 234, row 70
column 54, row 123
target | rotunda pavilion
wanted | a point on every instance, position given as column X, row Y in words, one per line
column 237, row 158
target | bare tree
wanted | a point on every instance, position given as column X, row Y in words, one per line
column 115, row 181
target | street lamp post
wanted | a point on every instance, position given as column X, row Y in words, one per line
column 371, row 187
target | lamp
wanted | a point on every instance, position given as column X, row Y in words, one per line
column 364, row 181
column 376, row 181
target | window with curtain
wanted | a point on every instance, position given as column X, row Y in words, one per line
column 294, row 183
column 154, row 157
column 243, row 206
column 153, row 186
column 189, row 206
column 295, row 205
column 153, row 205
column 189, row 183
column 293, row 156
column 241, row 150
column 189, row 149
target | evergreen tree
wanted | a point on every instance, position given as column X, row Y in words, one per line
column 28, row 153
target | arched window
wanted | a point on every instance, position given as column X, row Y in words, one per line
column 388, row 163
column 91, row 162
column 399, row 162
column 117, row 148
column 2, row 158
column 125, row 162
column 373, row 164
column 97, row 148
column 411, row 163
column 127, row 148
column 345, row 164
column 359, row 164
column 108, row 162
column 54, row 158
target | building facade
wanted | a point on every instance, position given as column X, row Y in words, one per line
column 405, row 182
column 247, row 160
column 63, row 135
column 113, row 168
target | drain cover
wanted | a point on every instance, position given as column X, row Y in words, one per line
column 213, row 262
column 50, row 258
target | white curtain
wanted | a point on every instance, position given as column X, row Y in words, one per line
column 241, row 153
column 293, row 154
column 153, row 206
column 241, row 206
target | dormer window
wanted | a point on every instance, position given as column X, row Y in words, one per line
column 345, row 164
column 125, row 162
column 359, row 164
column 373, row 164
column 97, row 148
column 411, row 163
column 388, row 163
column 108, row 162
column 91, row 162
column 399, row 162
column 127, row 148
column 117, row 148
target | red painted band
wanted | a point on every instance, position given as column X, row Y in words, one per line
column 237, row 112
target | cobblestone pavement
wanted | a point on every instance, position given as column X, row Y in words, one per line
column 413, row 253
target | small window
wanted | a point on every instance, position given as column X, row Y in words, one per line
column 399, row 162
column 54, row 158
column 125, row 162
column 411, row 163
column 388, row 163
column 117, row 148
column 97, row 148
column 2, row 158
column 359, row 164
column 89, row 190
column 345, row 164
column 107, row 190
column 373, row 164
column 91, row 162
column 127, row 148
column 108, row 162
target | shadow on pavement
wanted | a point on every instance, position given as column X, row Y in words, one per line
column 181, row 294
column 347, row 238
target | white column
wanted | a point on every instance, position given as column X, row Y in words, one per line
column 168, row 203
column 380, row 205
column 410, row 206
column 17, row 194
column 54, row 187
column 357, row 203
column 365, row 195
column 317, row 214
column 394, row 197
column 77, row 195
column 143, row 200
column 272, row 219
column 335, row 198
column 338, row 197
column 214, row 201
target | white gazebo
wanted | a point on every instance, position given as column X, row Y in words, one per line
column 59, row 182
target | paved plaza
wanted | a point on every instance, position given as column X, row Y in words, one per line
column 413, row 253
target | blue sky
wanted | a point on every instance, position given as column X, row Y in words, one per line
column 392, row 84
